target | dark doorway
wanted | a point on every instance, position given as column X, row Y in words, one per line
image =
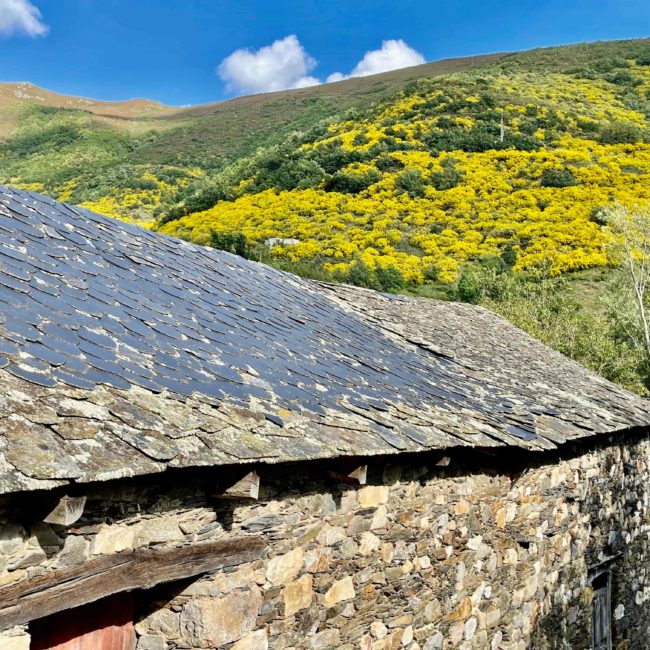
column 104, row 625
column 601, row 608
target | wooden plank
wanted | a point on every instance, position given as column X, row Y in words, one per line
column 105, row 575
column 67, row 511
column 248, row 487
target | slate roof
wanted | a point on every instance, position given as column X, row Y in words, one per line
column 124, row 352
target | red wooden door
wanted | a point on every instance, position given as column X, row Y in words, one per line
column 104, row 625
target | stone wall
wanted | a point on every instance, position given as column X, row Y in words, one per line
column 487, row 552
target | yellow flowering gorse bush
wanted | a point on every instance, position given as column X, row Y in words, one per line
column 498, row 197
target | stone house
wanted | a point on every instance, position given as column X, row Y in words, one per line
column 197, row 451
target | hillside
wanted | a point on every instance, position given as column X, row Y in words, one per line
column 127, row 158
column 483, row 179
column 104, row 153
column 497, row 162
column 16, row 97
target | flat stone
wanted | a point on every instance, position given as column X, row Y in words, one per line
column 492, row 617
column 435, row 642
column 298, row 595
column 369, row 543
column 156, row 531
column 358, row 524
column 243, row 576
column 18, row 641
column 372, row 496
column 12, row 538
column 257, row 640
column 43, row 535
column 392, row 642
column 28, row 558
column 330, row 535
column 213, row 622
column 470, row 627
column 152, row 642
column 112, row 539
column 378, row 630
column 341, row 590
column 318, row 560
column 380, row 518
column 326, row 640
column 456, row 633
column 76, row 549
column 283, row 568
column 161, row 622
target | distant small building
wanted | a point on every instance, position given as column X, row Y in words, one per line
column 272, row 242
column 198, row 451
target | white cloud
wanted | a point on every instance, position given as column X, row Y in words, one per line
column 392, row 55
column 20, row 16
column 283, row 64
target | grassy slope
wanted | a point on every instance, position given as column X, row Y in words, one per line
column 84, row 150
column 228, row 128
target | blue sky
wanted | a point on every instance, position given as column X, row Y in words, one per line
column 174, row 50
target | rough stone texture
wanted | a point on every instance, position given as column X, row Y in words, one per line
column 298, row 594
column 486, row 553
column 151, row 642
column 213, row 622
column 341, row 590
column 124, row 352
column 112, row 539
column 14, row 639
column 257, row 640
column 283, row 568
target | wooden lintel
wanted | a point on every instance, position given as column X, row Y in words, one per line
column 67, row 511
column 358, row 474
column 247, row 487
column 62, row 589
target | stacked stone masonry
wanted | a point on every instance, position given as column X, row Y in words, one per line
column 489, row 552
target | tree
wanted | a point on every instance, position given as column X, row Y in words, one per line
column 630, row 245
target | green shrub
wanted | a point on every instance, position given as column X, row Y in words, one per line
column 286, row 173
column 482, row 137
column 622, row 78
column 447, row 178
column 232, row 242
column 331, row 157
column 582, row 73
column 620, row 133
column 644, row 59
column 361, row 275
column 609, row 64
column 389, row 278
column 350, row 183
column 411, row 182
column 431, row 273
column 360, row 139
column 468, row 288
column 509, row 255
column 557, row 178
column 387, row 163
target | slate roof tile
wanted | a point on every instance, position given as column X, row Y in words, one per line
column 197, row 357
